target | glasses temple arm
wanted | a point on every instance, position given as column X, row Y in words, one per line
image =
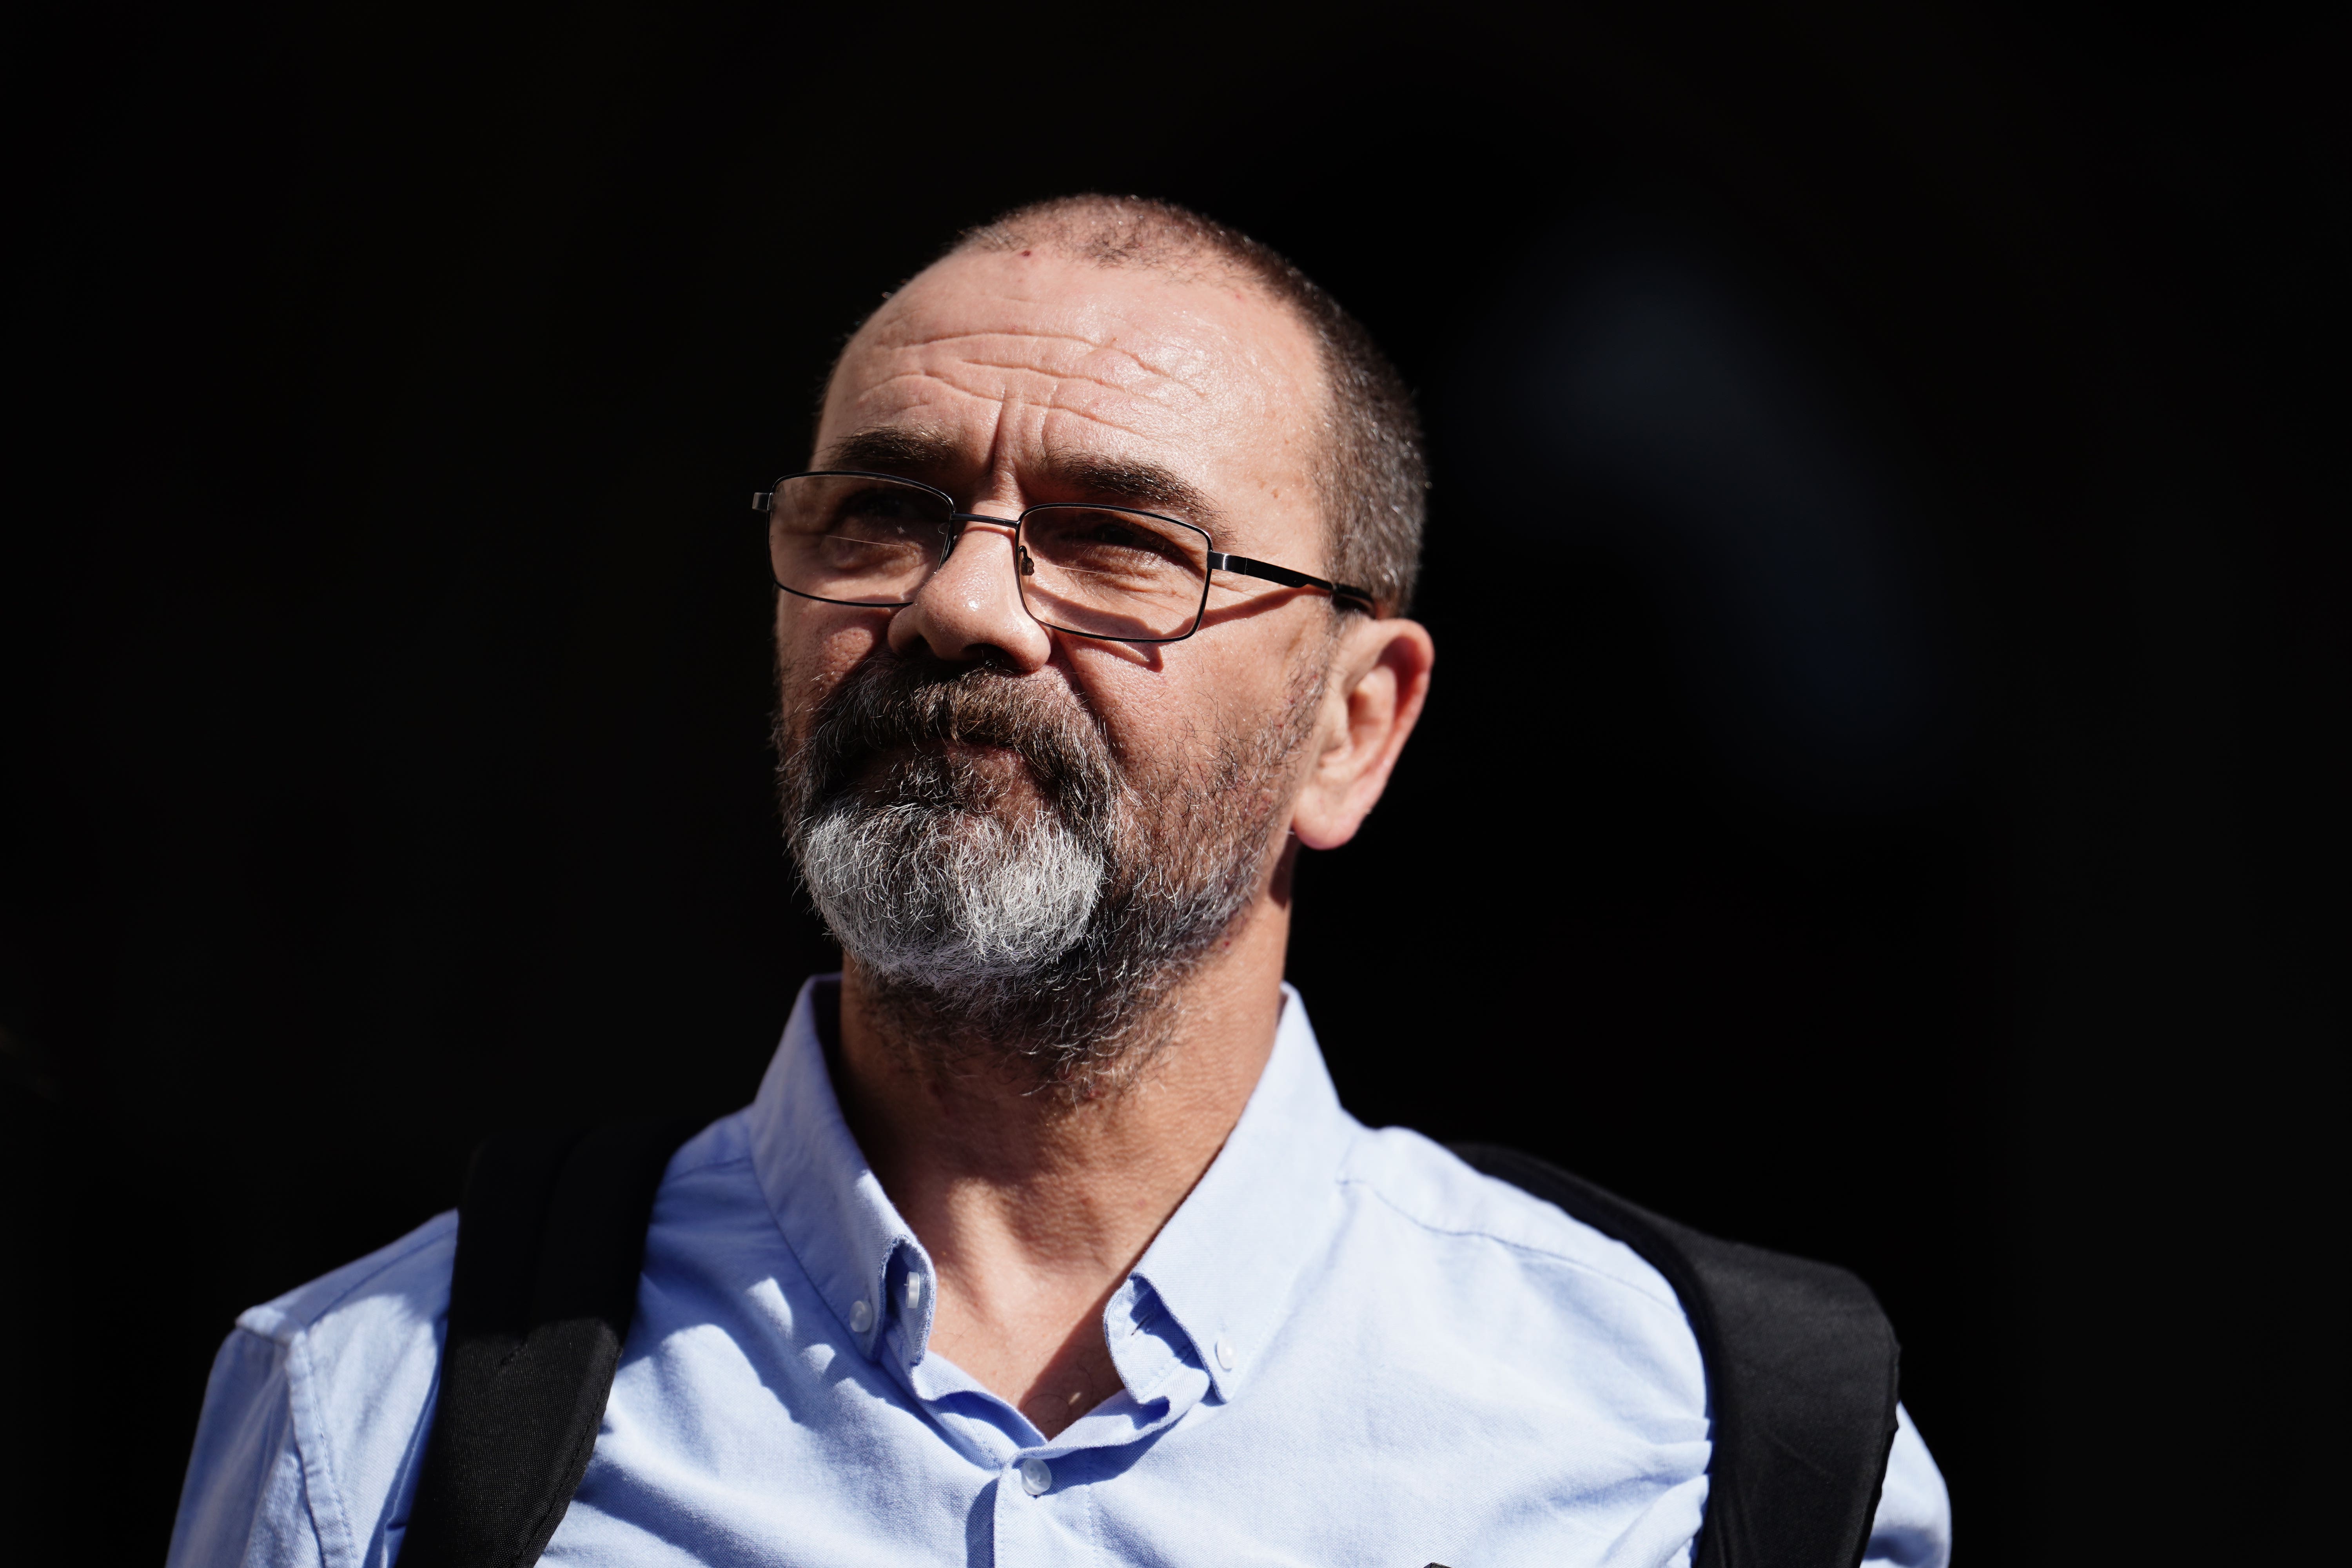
column 1244, row 566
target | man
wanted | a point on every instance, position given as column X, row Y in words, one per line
column 1045, row 1238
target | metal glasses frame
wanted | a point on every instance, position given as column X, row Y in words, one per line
column 953, row 530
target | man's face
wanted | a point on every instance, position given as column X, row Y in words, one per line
column 1008, row 380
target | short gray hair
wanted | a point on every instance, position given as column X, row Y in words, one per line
column 1375, row 477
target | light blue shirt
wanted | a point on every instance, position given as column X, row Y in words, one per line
column 1345, row 1347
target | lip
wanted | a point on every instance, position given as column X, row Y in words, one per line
column 986, row 756
column 906, row 750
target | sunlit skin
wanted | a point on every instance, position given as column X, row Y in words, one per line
column 1014, row 367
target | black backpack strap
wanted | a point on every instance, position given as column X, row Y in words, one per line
column 550, row 1238
column 1801, row 1371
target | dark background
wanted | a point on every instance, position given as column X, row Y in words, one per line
column 1887, row 562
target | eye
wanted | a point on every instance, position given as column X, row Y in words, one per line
column 1115, row 533
column 885, row 509
column 1104, row 538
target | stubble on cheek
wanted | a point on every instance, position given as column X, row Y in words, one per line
column 810, row 664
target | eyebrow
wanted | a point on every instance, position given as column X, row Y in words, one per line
column 889, row 450
column 1138, row 483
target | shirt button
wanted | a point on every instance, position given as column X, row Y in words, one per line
column 1036, row 1477
column 861, row 1316
column 914, row 1291
column 1226, row 1354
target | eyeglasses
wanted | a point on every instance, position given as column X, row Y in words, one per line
column 844, row 537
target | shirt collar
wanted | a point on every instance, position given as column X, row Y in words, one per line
column 1224, row 1265
column 826, row 1199
column 1226, row 1262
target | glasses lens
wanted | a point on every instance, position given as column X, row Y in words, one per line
column 853, row 539
column 1108, row 573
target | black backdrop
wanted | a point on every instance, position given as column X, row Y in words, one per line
column 1890, row 657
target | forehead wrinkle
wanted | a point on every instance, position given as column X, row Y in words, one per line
column 1189, row 315
column 1055, row 395
column 1100, row 367
column 1013, row 332
column 904, row 331
column 1164, row 358
column 1154, row 391
column 1122, row 370
column 997, row 400
column 1063, row 375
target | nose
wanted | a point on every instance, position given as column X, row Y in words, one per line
column 971, row 609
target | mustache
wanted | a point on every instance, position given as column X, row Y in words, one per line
column 890, row 704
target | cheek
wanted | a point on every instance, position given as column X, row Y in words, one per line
column 816, row 645
column 1173, row 721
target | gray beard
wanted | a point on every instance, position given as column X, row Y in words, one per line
column 1051, row 938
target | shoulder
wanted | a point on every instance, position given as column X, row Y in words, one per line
column 1429, row 1186
column 314, row 1419
column 718, row 1152
column 1511, row 1329
column 405, row 1284
column 362, row 1346
column 1516, row 1266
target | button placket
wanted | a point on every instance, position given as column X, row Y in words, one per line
column 1042, row 1515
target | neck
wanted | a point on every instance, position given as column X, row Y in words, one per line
column 1033, row 1205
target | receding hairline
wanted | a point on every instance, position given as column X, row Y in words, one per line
column 1197, row 265
column 1373, row 480
column 1122, row 233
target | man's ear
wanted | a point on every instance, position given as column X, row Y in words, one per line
column 1380, row 678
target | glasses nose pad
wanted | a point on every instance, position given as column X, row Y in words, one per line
column 1028, row 567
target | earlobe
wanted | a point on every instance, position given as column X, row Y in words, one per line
column 1380, row 678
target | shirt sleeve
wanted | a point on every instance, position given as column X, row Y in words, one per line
column 1914, row 1526
column 244, row 1501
